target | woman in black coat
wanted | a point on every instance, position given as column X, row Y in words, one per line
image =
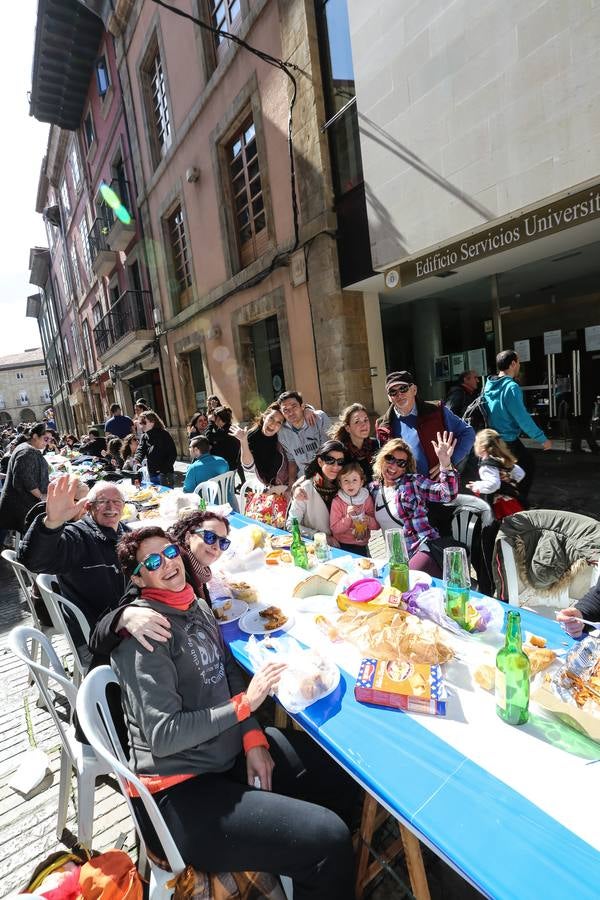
column 158, row 448
column 26, row 480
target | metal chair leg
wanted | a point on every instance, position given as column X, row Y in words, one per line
column 63, row 792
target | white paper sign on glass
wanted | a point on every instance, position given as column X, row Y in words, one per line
column 552, row 342
column 592, row 337
column 523, row 348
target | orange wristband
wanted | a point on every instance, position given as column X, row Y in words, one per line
column 241, row 706
column 254, row 738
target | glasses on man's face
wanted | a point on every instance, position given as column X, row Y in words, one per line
column 108, row 502
column 333, row 460
column 395, row 461
column 400, row 389
column 211, row 537
column 154, row 560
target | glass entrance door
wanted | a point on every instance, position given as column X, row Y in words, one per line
column 268, row 362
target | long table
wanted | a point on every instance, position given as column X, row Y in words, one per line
column 513, row 810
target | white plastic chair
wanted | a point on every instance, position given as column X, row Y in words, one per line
column 250, row 485
column 209, row 491
column 561, row 598
column 74, row 755
column 96, row 720
column 224, row 484
column 56, row 605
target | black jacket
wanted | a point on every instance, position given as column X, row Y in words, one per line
column 27, row 469
column 158, row 448
column 224, row 445
column 589, row 606
column 459, row 398
column 83, row 556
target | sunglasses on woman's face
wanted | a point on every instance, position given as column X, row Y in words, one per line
column 395, row 461
column 154, row 560
column 333, row 460
column 211, row 537
column 401, row 389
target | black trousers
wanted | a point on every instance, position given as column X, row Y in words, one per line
column 526, row 460
column 220, row 824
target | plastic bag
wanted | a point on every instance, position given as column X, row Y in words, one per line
column 431, row 604
column 309, row 675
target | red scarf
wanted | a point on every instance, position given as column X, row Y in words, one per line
column 182, row 599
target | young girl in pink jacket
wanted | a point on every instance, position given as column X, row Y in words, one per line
column 352, row 515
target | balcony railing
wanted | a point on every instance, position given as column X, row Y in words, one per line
column 120, row 188
column 132, row 312
column 98, row 234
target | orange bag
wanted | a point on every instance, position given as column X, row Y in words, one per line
column 110, row 876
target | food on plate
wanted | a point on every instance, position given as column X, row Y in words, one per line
column 388, row 634
column 220, row 610
column 311, row 686
column 147, row 493
column 274, row 557
column 241, row 590
column 366, row 564
column 280, row 541
column 274, row 618
column 485, row 676
column 129, row 513
column 539, row 657
column 152, row 513
column 537, row 641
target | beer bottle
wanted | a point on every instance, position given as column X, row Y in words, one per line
column 512, row 675
column 297, row 548
column 202, row 504
column 399, row 578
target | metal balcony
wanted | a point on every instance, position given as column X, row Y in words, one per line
column 104, row 259
column 120, row 234
column 125, row 329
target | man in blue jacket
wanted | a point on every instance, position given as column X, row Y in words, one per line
column 204, row 465
column 507, row 415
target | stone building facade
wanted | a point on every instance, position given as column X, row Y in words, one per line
column 24, row 389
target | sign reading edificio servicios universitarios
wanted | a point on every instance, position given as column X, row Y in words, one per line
column 549, row 219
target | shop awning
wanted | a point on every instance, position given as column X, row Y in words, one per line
column 67, row 39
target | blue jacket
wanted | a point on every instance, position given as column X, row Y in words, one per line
column 506, row 411
column 203, row 469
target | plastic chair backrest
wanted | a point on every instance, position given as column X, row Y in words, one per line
column 95, row 718
column 26, row 581
column 56, row 605
column 225, row 483
column 209, row 491
column 23, row 641
column 464, row 523
column 510, row 570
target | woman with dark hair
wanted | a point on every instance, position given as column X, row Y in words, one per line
column 197, row 425
column 128, row 450
column 262, row 454
column 27, row 478
column 158, row 448
column 314, row 495
column 113, row 453
column 219, row 781
column 222, row 443
column 353, row 429
column 401, row 496
column 69, row 442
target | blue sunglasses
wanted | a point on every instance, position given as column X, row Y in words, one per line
column 154, row 560
column 211, row 537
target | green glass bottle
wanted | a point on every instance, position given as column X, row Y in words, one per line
column 297, row 548
column 399, row 578
column 512, row 675
column 202, row 504
column 456, row 576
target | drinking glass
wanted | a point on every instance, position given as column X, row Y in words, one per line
column 457, row 578
column 398, row 559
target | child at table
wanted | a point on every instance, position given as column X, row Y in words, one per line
column 352, row 514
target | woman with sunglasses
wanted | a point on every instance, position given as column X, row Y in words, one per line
column 233, row 797
column 314, row 495
column 401, row 496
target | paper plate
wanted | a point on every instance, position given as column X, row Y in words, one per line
column 252, row 623
column 364, row 590
column 237, row 610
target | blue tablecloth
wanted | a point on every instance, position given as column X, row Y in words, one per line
column 497, row 839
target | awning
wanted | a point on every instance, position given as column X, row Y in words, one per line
column 67, row 38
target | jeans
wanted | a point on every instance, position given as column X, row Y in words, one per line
column 220, row 824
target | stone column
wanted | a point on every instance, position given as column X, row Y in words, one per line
column 376, row 351
column 427, row 338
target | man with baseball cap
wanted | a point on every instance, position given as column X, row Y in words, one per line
column 418, row 421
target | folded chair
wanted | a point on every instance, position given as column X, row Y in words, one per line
column 96, row 720
column 23, row 641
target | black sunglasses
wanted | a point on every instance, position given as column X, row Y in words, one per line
column 401, row 389
column 333, row 460
column 394, row 461
column 211, row 537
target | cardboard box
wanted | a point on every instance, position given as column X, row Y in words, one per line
column 414, row 687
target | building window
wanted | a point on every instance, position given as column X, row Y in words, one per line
column 76, row 347
column 88, row 130
column 67, row 353
column 85, row 247
column 76, row 275
column 64, row 198
column 248, row 201
column 65, row 279
column 43, row 372
column 87, row 345
column 102, row 77
column 181, row 268
column 19, row 376
column 224, row 15
column 157, row 104
column 75, row 167
column 96, row 312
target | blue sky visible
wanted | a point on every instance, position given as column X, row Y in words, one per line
column 22, row 149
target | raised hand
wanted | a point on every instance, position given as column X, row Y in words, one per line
column 444, row 448
column 61, row 505
column 240, row 433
